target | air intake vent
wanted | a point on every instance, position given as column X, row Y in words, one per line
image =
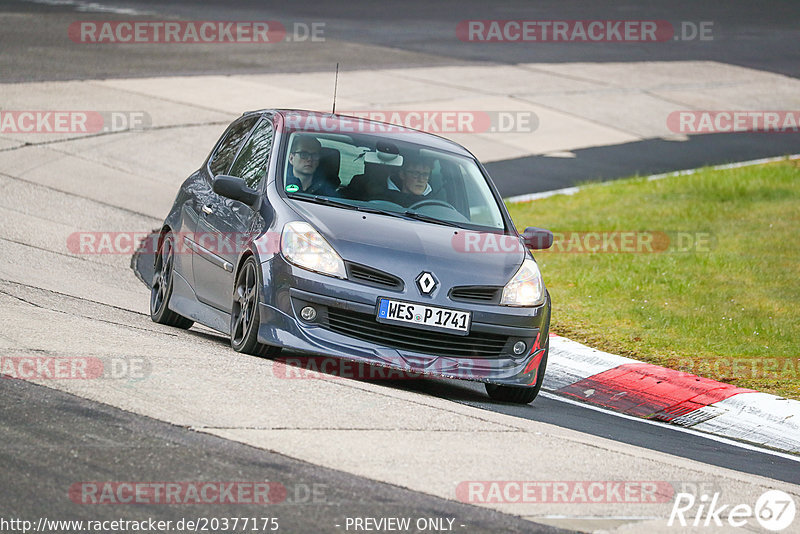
column 373, row 277
column 484, row 294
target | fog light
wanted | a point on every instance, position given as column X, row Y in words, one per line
column 308, row 313
column 519, row 347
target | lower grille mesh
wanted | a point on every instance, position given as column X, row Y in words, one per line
column 364, row 326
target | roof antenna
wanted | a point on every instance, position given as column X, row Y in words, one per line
column 335, row 85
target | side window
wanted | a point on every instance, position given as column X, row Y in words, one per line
column 254, row 157
column 223, row 157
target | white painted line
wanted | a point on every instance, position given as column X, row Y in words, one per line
column 712, row 437
column 572, row 190
column 91, row 7
column 596, row 517
column 737, row 165
column 544, row 194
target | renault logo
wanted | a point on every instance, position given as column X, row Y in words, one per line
column 426, row 283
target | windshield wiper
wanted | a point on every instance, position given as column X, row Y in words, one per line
column 334, row 202
column 319, row 199
column 407, row 214
column 427, row 218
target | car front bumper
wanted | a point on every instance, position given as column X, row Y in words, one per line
column 345, row 328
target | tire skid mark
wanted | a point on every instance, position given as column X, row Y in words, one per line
column 71, row 313
column 75, row 195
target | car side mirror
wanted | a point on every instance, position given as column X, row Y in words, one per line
column 235, row 188
column 537, row 238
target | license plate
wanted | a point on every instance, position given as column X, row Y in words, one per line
column 422, row 316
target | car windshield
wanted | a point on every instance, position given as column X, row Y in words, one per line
column 373, row 172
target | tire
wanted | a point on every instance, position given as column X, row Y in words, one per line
column 245, row 317
column 161, row 290
column 517, row 394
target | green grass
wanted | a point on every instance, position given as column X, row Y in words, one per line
column 728, row 311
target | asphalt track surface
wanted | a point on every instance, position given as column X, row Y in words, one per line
column 52, row 439
column 45, row 431
column 606, row 424
column 361, row 35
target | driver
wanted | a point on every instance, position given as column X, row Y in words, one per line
column 410, row 185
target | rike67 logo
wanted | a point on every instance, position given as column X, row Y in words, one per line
column 774, row 510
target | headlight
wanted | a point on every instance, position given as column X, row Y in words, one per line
column 303, row 246
column 525, row 288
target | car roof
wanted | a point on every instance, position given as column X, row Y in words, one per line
column 395, row 132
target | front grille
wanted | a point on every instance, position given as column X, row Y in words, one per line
column 364, row 326
column 484, row 294
column 373, row 277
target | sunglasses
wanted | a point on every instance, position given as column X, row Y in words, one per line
column 306, row 155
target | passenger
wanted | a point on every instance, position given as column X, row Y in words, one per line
column 410, row 185
column 304, row 161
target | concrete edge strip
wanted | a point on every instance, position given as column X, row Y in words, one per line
column 572, row 190
column 658, row 393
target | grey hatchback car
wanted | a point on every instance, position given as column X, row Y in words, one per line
column 336, row 236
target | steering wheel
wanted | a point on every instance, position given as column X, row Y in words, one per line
column 431, row 202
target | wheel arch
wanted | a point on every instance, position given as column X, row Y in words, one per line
column 243, row 258
column 165, row 229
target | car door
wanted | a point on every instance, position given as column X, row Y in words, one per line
column 219, row 162
column 225, row 225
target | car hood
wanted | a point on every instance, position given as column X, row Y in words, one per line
column 405, row 248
